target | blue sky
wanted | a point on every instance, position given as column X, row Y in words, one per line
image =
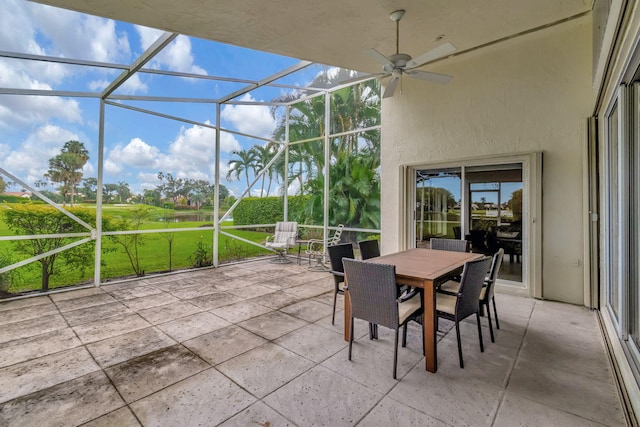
column 137, row 145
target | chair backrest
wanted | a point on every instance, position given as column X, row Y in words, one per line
column 493, row 274
column 286, row 232
column 453, row 245
column 336, row 254
column 369, row 249
column 473, row 276
column 372, row 291
column 336, row 236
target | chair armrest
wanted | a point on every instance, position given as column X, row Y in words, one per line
column 408, row 295
column 315, row 246
column 269, row 239
column 337, row 273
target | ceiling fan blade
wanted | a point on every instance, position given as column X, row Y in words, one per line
column 378, row 57
column 391, row 87
column 442, row 79
column 435, row 53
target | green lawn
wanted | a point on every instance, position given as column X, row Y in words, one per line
column 153, row 251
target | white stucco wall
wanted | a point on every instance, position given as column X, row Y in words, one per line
column 532, row 93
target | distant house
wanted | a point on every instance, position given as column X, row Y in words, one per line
column 25, row 194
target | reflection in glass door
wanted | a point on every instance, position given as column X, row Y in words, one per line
column 438, row 201
column 495, row 215
column 492, row 206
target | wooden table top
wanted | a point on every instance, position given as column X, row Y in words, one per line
column 426, row 264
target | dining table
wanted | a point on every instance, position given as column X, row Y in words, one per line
column 426, row 269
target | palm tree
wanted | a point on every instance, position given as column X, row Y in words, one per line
column 244, row 163
column 262, row 156
column 354, row 171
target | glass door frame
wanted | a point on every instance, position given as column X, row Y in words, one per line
column 532, row 212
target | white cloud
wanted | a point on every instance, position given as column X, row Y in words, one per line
column 20, row 111
column 30, row 160
column 111, row 167
column 136, row 153
column 133, row 85
column 76, row 35
column 175, row 57
column 250, row 119
column 97, row 85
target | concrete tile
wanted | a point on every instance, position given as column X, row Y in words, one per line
column 360, row 328
column 251, row 291
column 97, row 312
column 131, row 291
column 452, row 399
column 166, row 313
column 84, row 302
column 493, row 366
column 392, row 413
column 186, row 328
column 322, row 397
column 240, row 311
column 111, row 327
column 276, row 300
column 37, row 374
column 137, row 304
column 70, row 403
column 215, row 300
column 223, row 344
column 71, row 293
column 310, row 311
column 206, row 399
column 31, row 327
column 122, row 417
column 586, row 357
column 257, row 414
column 306, row 291
column 313, row 342
column 142, row 376
column 567, row 391
column 264, row 369
column 128, row 346
column 516, row 410
column 194, row 291
column 371, row 363
column 26, row 313
column 272, row 325
column 327, row 298
column 24, row 303
column 286, row 282
column 37, row 346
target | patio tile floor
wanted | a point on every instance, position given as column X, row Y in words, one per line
column 253, row 344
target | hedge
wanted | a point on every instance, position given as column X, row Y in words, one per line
column 268, row 210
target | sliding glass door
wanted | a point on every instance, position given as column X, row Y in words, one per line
column 480, row 203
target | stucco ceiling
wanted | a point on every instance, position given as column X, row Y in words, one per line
column 336, row 32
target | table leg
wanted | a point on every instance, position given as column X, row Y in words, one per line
column 430, row 325
column 347, row 315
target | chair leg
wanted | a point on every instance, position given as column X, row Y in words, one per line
column 335, row 299
column 404, row 335
column 495, row 312
column 395, row 355
column 459, row 345
column 351, row 338
column 480, row 332
column 489, row 319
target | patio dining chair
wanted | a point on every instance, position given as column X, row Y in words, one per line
column 336, row 254
column 488, row 289
column 283, row 238
column 466, row 302
column 373, row 295
column 454, row 245
column 369, row 249
column 316, row 249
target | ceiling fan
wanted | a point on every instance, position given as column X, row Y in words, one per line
column 400, row 64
